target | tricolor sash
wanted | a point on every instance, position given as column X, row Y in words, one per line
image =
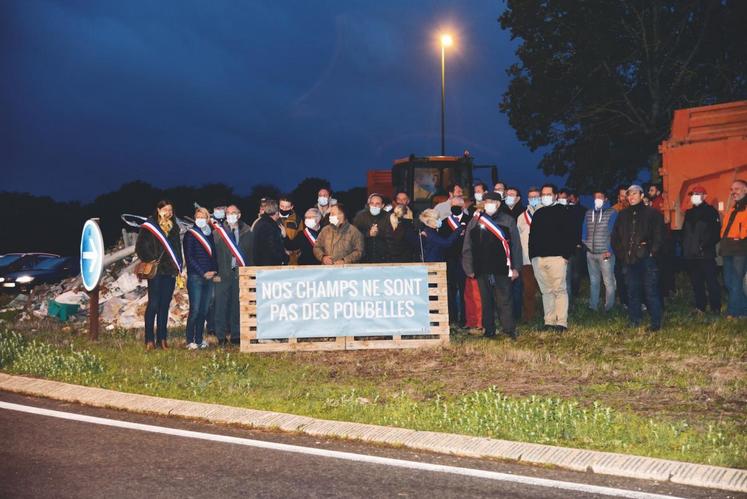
column 453, row 222
column 158, row 233
column 202, row 240
column 310, row 237
column 230, row 244
column 492, row 227
column 528, row 217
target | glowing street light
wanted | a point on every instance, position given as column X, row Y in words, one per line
column 446, row 41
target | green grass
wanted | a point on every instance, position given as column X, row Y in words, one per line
column 678, row 394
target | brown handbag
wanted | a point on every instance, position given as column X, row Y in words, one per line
column 146, row 270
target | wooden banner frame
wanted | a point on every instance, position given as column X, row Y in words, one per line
column 438, row 315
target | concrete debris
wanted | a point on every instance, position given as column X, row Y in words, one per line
column 122, row 299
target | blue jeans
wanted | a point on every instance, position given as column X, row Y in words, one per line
column 734, row 270
column 200, row 292
column 601, row 270
column 642, row 280
column 160, row 292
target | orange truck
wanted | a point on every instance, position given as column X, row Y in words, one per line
column 708, row 147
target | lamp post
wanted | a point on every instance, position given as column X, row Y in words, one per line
column 446, row 41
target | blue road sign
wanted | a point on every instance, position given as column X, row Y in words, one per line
column 91, row 255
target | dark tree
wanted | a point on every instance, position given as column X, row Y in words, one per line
column 597, row 81
column 306, row 192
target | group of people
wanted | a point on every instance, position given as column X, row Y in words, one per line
column 500, row 253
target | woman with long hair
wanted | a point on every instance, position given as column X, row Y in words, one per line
column 158, row 241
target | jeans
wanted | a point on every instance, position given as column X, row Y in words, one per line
column 704, row 273
column 200, row 291
column 550, row 272
column 210, row 316
column 601, row 270
column 227, row 317
column 642, row 280
column 734, row 271
column 622, row 290
column 160, row 291
column 455, row 279
column 495, row 294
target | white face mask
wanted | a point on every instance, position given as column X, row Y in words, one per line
column 546, row 200
column 334, row 220
column 491, row 208
column 696, row 199
column 310, row 222
column 388, row 208
column 322, row 200
column 598, row 203
column 232, row 218
column 500, row 193
column 563, row 201
column 375, row 210
column 219, row 214
column 478, row 196
column 510, row 200
column 201, row 222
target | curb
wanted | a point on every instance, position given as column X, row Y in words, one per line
column 605, row 463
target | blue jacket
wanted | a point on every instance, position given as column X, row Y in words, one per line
column 435, row 245
column 198, row 260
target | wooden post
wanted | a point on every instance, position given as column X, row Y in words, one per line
column 93, row 314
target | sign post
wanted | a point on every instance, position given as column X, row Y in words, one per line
column 91, row 267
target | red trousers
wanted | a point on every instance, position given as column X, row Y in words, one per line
column 473, row 307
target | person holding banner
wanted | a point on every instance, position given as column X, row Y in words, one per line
column 233, row 249
column 199, row 254
column 339, row 242
column 159, row 241
column 492, row 254
column 305, row 241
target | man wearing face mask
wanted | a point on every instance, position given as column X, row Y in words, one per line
column 492, row 254
column 372, row 223
column 551, row 243
column 292, row 226
column 600, row 260
column 455, row 198
column 233, row 249
column 701, row 231
column 457, row 221
column 218, row 217
column 324, row 203
column 530, row 287
column 500, row 189
column 305, row 241
column 512, row 203
column 637, row 239
column 339, row 242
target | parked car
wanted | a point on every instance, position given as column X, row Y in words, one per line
column 47, row 270
column 14, row 262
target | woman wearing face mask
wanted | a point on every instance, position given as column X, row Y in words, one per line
column 401, row 238
column 199, row 254
column 305, row 240
column 159, row 240
column 434, row 245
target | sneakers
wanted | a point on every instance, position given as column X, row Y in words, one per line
column 204, row 344
column 192, row 346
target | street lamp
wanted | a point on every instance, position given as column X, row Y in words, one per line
column 446, row 41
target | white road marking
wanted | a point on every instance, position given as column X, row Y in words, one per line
column 348, row 456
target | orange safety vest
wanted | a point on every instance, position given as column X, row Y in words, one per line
column 738, row 229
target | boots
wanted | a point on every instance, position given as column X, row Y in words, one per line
column 149, row 345
column 164, row 345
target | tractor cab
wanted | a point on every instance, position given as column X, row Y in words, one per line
column 426, row 179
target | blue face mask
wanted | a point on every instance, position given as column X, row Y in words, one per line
column 534, row 202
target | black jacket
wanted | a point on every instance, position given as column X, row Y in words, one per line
column 268, row 243
column 553, row 232
column 454, row 253
column 375, row 247
column 223, row 254
column 484, row 254
column 301, row 242
column 701, row 232
column 516, row 211
column 148, row 248
column 638, row 233
column 402, row 243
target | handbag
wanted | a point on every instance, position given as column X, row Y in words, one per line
column 147, row 270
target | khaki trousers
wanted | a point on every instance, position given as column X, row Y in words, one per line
column 550, row 272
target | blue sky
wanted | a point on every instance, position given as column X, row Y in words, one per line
column 98, row 93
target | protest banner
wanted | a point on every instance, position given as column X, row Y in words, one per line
column 343, row 307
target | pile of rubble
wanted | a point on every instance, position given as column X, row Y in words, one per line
column 122, row 299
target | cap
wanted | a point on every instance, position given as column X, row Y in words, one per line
column 698, row 189
column 635, row 187
column 491, row 196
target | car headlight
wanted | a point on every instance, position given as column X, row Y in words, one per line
column 2, row 279
column 24, row 279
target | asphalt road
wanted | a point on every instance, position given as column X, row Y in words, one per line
column 47, row 456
